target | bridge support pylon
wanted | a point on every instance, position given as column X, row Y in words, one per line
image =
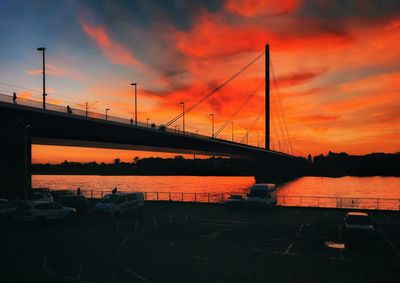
column 15, row 159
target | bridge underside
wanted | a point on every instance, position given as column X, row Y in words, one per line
column 95, row 144
column 54, row 128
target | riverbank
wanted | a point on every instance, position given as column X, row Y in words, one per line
column 181, row 242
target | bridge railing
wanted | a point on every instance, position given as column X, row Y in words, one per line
column 171, row 196
column 340, row 202
column 95, row 115
column 282, row 200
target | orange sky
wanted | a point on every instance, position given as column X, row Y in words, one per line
column 336, row 63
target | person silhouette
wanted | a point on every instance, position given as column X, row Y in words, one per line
column 131, row 121
column 114, row 191
column 69, row 110
column 78, row 191
column 14, row 97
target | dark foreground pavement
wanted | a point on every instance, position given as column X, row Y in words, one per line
column 183, row 242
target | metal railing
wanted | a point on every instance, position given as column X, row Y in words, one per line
column 282, row 200
column 94, row 115
column 171, row 196
column 340, row 202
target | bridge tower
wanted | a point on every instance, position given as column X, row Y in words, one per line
column 267, row 98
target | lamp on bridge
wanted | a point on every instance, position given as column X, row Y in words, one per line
column 183, row 115
column 233, row 138
column 135, row 84
column 43, row 49
column 107, row 109
column 212, row 125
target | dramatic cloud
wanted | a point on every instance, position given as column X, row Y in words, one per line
column 58, row 72
column 112, row 50
column 250, row 8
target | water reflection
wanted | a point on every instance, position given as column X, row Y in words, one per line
column 334, row 245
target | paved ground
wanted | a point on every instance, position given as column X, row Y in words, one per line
column 182, row 242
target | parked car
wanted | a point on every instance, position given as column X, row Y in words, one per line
column 3, row 202
column 57, row 194
column 41, row 211
column 234, row 201
column 263, row 195
column 79, row 202
column 357, row 227
column 41, row 194
column 8, row 210
column 119, row 203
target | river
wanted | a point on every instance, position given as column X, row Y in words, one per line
column 355, row 187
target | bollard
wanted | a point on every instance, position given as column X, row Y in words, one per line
column 208, row 197
column 195, row 199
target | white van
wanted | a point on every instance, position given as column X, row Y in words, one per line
column 262, row 194
column 119, row 203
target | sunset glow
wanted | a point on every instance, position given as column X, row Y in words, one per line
column 336, row 64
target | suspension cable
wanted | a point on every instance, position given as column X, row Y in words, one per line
column 238, row 110
column 218, row 88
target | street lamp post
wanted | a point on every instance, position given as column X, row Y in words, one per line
column 183, row 115
column 135, row 84
column 107, row 109
column 233, row 138
column 212, row 125
column 44, row 76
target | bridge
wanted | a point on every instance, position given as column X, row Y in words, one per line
column 25, row 122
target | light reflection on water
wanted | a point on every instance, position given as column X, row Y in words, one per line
column 357, row 187
column 362, row 187
column 334, row 245
column 181, row 184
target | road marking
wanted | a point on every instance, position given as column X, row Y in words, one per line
column 59, row 275
column 341, row 241
column 389, row 242
column 289, row 247
column 185, row 252
column 225, row 221
column 287, row 251
column 217, row 224
column 79, row 272
column 127, row 269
